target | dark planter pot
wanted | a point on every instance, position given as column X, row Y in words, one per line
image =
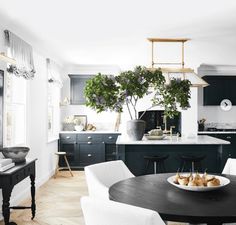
column 136, row 129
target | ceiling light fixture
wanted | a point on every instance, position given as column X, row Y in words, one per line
column 7, row 59
column 179, row 72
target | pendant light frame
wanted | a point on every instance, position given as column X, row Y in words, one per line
column 186, row 72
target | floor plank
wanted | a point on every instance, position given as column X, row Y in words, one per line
column 58, row 202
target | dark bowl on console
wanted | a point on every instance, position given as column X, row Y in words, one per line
column 17, row 154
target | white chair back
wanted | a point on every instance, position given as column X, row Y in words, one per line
column 103, row 175
column 105, row 212
column 230, row 167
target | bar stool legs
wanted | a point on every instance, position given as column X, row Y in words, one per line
column 68, row 165
column 58, row 168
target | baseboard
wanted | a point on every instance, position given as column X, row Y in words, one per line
column 15, row 200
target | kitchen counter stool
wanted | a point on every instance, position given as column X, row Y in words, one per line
column 158, row 163
column 58, row 168
column 194, row 160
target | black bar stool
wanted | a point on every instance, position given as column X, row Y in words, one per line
column 193, row 160
column 158, row 162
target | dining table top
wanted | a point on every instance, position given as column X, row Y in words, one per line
column 173, row 204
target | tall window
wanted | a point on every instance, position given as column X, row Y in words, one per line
column 15, row 110
column 16, row 89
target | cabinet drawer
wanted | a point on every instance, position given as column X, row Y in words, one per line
column 90, row 138
column 110, row 138
column 88, row 158
column 19, row 176
column 68, row 138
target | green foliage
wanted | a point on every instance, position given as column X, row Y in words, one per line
column 102, row 93
column 112, row 93
column 169, row 96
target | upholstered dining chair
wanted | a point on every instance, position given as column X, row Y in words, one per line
column 106, row 212
column 230, row 167
column 101, row 176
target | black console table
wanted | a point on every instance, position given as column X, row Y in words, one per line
column 9, row 179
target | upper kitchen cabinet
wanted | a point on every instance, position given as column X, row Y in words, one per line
column 221, row 87
column 77, row 84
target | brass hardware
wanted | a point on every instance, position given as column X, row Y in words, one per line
column 67, row 137
column 7, row 59
column 110, row 137
column 89, row 137
column 89, row 142
column 197, row 81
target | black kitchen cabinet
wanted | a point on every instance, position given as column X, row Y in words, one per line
column 68, row 145
column 88, row 148
column 228, row 151
column 77, row 84
column 221, row 87
column 91, row 153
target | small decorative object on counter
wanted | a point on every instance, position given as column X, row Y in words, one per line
column 68, row 123
column 155, row 134
column 91, row 127
column 201, row 124
column 17, row 154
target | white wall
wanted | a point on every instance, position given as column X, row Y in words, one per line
column 36, row 127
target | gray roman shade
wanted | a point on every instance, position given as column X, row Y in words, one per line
column 22, row 52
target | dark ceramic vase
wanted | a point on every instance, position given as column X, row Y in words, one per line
column 136, row 129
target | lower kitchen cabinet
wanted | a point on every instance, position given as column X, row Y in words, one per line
column 91, row 153
column 228, row 151
column 87, row 148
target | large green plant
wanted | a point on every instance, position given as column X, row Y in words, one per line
column 111, row 93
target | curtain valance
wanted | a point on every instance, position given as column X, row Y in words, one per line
column 22, row 52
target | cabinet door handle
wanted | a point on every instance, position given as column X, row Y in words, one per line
column 89, row 155
column 89, row 142
column 228, row 137
column 110, row 137
column 67, row 137
column 89, row 137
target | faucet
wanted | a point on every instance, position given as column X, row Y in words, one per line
column 165, row 131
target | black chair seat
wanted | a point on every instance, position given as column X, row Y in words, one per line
column 156, row 157
column 193, row 160
column 158, row 161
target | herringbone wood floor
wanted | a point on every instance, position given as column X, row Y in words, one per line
column 58, row 202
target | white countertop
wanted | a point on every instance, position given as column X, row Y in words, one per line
column 90, row 132
column 199, row 140
column 216, row 132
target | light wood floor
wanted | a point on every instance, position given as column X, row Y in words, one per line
column 58, row 202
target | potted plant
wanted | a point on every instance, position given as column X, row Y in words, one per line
column 113, row 93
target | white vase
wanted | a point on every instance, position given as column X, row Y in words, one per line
column 79, row 127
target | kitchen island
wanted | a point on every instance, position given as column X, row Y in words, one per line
column 133, row 152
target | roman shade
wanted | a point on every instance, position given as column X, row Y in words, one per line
column 22, row 52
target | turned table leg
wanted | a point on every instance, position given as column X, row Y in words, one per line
column 6, row 194
column 33, row 205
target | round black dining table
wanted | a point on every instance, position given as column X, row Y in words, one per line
column 174, row 204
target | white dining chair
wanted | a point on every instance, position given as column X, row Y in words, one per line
column 101, row 176
column 106, row 212
column 230, row 167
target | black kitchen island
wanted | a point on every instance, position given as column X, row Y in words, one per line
column 133, row 152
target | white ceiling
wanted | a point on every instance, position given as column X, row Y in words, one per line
column 113, row 31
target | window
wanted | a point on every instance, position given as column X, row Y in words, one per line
column 15, row 111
